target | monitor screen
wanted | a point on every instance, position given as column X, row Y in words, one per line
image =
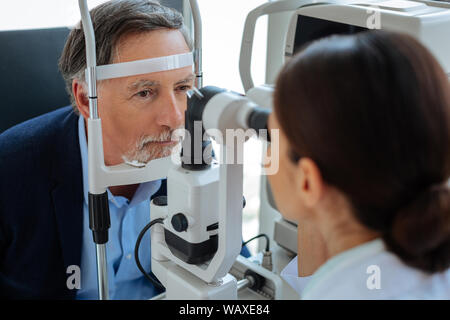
column 309, row 29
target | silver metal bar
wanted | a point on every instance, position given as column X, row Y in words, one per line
column 242, row 284
column 89, row 34
column 91, row 58
column 93, row 110
column 91, row 79
column 160, row 296
column 102, row 272
column 248, row 281
column 198, row 68
column 197, row 43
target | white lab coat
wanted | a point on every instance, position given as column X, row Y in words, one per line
column 368, row 271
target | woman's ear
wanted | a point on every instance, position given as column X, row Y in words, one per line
column 81, row 97
column 310, row 185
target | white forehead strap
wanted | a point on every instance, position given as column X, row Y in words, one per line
column 132, row 68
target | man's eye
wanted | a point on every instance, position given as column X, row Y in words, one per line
column 145, row 93
column 184, row 88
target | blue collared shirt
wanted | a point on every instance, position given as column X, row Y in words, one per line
column 128, row 218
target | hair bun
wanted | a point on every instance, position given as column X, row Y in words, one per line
column 420, row 232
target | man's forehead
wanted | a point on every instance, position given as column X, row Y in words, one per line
column 158, row 55
column 151, row 80
column 150, row 44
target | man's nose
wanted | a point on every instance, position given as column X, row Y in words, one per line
column 171, row 112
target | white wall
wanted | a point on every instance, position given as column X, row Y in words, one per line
column 223, row 24
column 34, row 14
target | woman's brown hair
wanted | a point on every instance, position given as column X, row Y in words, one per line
column 373, row 111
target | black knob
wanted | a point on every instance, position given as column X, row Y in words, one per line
column 179, row 222
column 160, row 201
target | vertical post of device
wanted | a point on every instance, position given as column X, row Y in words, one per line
column 197, row 43
column 99, row 220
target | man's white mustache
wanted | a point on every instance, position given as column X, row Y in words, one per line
column 162, row 137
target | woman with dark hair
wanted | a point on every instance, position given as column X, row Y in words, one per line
column 364, row 155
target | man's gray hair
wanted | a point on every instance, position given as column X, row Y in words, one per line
column 113, row 20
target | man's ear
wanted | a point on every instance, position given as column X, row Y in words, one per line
column 81, row 97
column 310, row 184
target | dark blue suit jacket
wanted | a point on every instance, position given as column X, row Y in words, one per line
column 41, row 213
column 41, row 206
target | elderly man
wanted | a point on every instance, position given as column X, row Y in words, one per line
column 45, row 241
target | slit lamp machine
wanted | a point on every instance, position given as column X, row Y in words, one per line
column 196, row 231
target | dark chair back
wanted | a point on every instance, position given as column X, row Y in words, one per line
column 30, row 82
